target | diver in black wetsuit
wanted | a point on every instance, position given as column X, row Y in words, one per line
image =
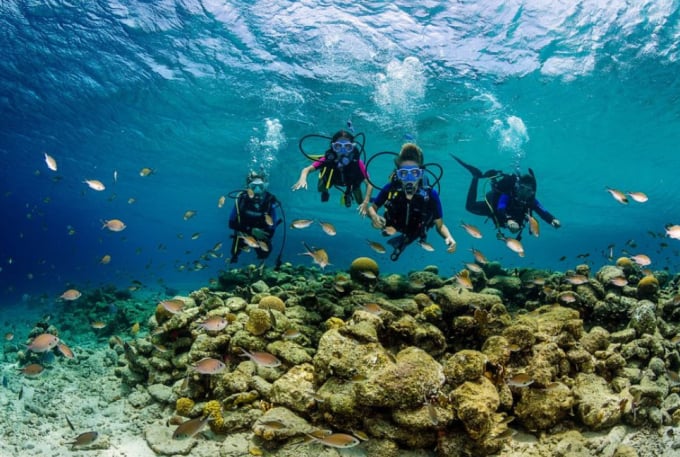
column 411, row 206
column 254, row 218
column 510, row 202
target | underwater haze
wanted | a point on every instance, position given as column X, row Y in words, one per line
column 200, row 92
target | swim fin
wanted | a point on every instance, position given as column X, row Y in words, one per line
column 476, row 172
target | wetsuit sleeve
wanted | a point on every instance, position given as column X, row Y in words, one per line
column 362, row 167
column 318, row 163
column 542, row 212
column 382, row 196
column 502, row 208
column 438, row 213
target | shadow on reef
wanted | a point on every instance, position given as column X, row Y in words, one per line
column 416, row 361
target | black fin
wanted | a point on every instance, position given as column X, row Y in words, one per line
column 476, row 172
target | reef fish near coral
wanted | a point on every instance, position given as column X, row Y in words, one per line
column 515, row 246
column 213, row 324
column 263, row 359
column 70, row 295
column 377, row 247
column 189, row 428
column 173, row 306
column 319, row 256
column 84, row 439
column 641, row 259
column 209, row 366
column 337, row 440
column 43, row 343
column 65, row 350
column 31, row 370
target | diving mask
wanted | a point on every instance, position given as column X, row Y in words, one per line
column 525, row 193
column 409, row 174
column 342, row 147
column 258, row 186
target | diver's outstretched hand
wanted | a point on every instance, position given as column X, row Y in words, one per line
column 300, row 184
column 476, row 172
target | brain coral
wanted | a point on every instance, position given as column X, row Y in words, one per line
column 272, row 302
column 361, row 264
column 647, row 286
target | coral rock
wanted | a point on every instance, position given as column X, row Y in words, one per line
column 597, row 406
column 465, row 365
column 475, row 404
column 541, row 409
column 643, row 319
column 294, row 425
column 459, row 301
column 292, row 390
column 404, row 384
column 340, row 355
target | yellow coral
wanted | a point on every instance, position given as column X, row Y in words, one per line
column 432, row 312
column 214, row 410
column 647, row 286
column 258, row 321
column 333, row 323
column 184, row 405
column 362, row 264
column 273, row 302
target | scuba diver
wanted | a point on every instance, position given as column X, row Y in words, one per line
column 341, row 167
column 509, row 203
column 412, row 206
column 254, row 219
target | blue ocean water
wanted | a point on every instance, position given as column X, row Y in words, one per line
column 202, row 91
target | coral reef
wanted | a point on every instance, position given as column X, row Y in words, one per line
column 387, row 356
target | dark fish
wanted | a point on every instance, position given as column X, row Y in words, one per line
column 84, row 439
column 350, row 127
column 5, row 383
column 21, row 393
column 69, row 423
